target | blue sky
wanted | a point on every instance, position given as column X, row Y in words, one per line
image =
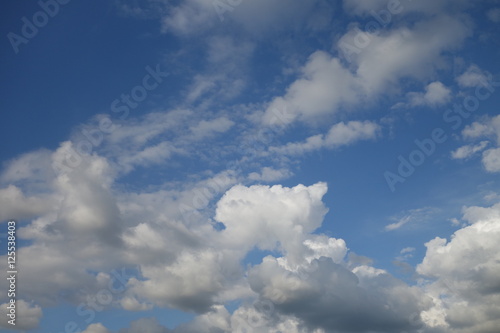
column 251, row 166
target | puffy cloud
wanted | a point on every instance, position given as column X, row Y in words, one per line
column 465, row 270
column 27, row 315
column 33, row 166
column 473, row 77
column 96, row 328
column 266, row 216
column 385, row 58
column 436, row 94
column 216, row 320
column 378, row 62
column 191, row 283
column 333, row 298
column 486, row 127
column 344, row 134
column 87, row 204
column 324, row 86
column 15, row 205
column 491, row 160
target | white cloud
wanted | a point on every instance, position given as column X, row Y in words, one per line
column 226, row 72
column 399, row 224
column 340, row 134
column 344, row 134
column 333, row 298
column 151, row 155
column 407, row 250
column 96, row 328
column 465, row 270
column 33, row 166
column 472, row 77
column 468, row 150
column 15, row 205
column 283, row 217
column 479, row 129
column 405, row 254
column 404, row 53
column 206, row 128
column 191, row 283
column 488, row 127
column 436, row 94
column 27, row 315
column 412, row 216
column 324, row 86
column 88, row 222
column 491, row 160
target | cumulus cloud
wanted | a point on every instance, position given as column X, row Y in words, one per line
column 327, row 86
column 33, row 166
column 28, row 315
column 487, row 127
column 491, row 160
column 324, row 86
column 465, row 270
column 284, row 216
column 15, row 205
column 333, row 298
column 436, row 94
column 96, row 328
column 192, row 236
column 472, row 77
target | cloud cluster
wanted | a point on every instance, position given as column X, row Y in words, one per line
column 378, row 61
column 465, row 271
column 486, row 128
column 188, row 236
